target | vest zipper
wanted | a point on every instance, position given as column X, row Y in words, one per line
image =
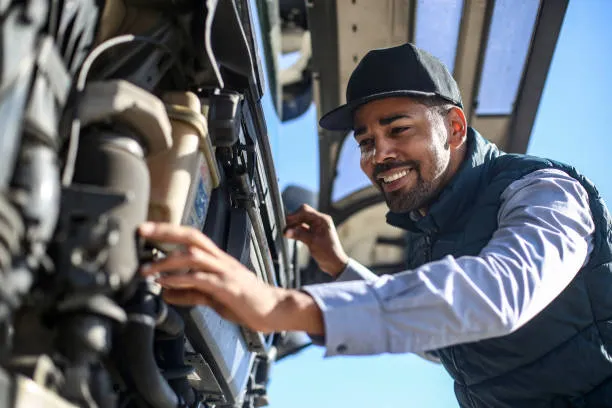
column 428, row 252
column 428, row 248
column 428, row 258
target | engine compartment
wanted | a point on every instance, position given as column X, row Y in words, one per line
column 117, row 112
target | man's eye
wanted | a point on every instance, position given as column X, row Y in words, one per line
column 401, row 129
column 365, row 144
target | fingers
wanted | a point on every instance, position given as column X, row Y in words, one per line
column 306, row 214
column 202, row 282
column 201, row 288
column 300, row 233
column 189, row 297
column 177, row 261
column 306, row 223
column 177, row 234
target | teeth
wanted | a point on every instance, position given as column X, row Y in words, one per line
column 395, row 176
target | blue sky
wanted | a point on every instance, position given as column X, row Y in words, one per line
column 571, row 126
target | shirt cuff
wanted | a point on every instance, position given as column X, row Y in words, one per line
column 355, row 271
column 352, row 317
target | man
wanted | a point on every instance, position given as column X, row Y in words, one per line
column 510, row 257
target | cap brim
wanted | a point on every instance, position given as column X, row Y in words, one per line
column 341, row 118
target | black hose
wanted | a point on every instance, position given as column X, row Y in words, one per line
column 172, row 323
column 136, row 346
column 143, row 370
column 170, row 352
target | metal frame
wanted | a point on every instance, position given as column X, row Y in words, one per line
column 471, row 46
column 543, row 44
column 324, row 34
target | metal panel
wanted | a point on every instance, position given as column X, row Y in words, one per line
column 475, row 24
column 223, row 346
column 354, row 202
column 366, row 25
column 364, row 244
column 494, row 128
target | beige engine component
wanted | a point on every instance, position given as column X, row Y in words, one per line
column 29, row 394
column 124, row 102
column 176, row 173
column 119, row 18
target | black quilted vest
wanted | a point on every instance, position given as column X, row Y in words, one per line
column 563, row 356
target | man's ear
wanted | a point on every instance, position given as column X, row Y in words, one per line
column 458, row 126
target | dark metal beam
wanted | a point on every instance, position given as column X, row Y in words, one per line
column 545, row 36
column 323, row 24
column 412, row 12
column 471, row 46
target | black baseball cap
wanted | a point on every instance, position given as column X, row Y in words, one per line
column 403, row 70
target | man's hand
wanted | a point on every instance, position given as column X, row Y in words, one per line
column 318, row 232
column 218, row 280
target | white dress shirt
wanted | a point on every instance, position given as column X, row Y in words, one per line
column 544, row 237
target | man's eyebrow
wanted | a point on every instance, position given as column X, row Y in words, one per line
column 383, row 121
column 359, row 130
column 390, row 119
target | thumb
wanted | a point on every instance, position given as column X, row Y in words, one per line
column 300, row 234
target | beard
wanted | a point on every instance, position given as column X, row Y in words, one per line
column 426, row 189
column 412, row 198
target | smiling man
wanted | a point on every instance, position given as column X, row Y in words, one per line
column 509, row 275
column 407, row 167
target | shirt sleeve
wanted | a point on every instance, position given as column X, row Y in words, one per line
column 355, row 271
column 543, row 239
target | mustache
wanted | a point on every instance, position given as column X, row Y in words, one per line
column 386, row 166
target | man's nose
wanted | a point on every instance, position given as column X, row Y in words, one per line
column 385, row 150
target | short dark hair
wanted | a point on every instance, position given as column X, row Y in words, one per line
column 440, row 105
column 437, row 104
